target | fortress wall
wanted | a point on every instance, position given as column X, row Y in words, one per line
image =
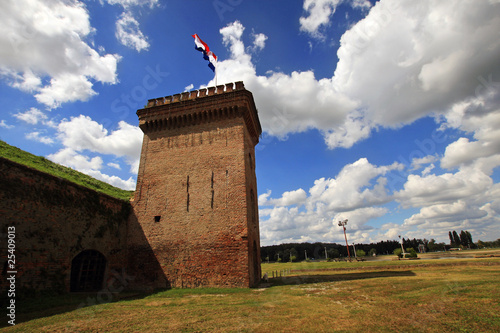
column 54, row 221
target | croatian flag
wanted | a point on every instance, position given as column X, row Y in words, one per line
column 207, row 54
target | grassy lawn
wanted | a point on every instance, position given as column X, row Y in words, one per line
column 42, row 164
column 460, row 295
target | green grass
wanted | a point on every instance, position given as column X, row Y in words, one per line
column 463, row 296
column 42, row 164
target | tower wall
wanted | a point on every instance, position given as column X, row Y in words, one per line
column 196, row 196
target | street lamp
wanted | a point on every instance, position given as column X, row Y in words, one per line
column 402, row 248
column 342, row 224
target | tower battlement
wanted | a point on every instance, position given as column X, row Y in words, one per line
column 201, row 106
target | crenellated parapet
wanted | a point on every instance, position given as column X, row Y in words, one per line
column 194, row 94
column 210, row 104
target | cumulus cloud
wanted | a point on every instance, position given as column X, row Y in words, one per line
column 288, row 198
column 44, row 50
column 418, row 66
column 433, row 189
column 282, row 98
column 83, row 137
column 356, row 193
column 82, row 133
column 424, row 57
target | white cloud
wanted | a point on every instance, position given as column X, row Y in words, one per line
column 259, row 41
column 384, row 76
column 116, row 181
column 37, row 137
column 288, row 198
column 480, row 116
column 319, row 13
column 32, row 116
column 423, row 57
column 89, row 166
column 281, row 98
column 5, row 125
column 129, row 34
column 433, row 189
column 417, row 163
column 70, row 158
column 83, row 133
column 114, row 165
column 132, row 3
column 46, row 41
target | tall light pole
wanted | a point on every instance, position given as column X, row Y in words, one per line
column 342, row 224
column 402, row 248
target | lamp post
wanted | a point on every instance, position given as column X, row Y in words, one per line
column 342, row 224
column 402, row 248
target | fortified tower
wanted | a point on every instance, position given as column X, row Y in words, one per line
column 196, row 198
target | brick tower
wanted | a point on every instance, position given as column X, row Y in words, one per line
column 195, row 204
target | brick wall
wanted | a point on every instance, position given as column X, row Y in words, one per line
column 55, row 220
column 196, row 196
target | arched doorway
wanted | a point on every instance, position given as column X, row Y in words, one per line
column 87, row 271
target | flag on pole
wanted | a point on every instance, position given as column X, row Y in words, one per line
column 207, row 54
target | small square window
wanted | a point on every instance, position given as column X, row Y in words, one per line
column 157, row 218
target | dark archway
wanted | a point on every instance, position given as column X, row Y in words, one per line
column 87, row 271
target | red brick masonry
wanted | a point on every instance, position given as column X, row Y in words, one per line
column 196, row 195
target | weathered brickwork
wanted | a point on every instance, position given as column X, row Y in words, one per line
column 196, row 195
column 55, row 220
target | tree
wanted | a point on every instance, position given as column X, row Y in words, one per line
column 412, row 254
column 333, row 253
column 469, row 238
column 464, row 240
column 360, row 253
column 293, row 254
column 456, row 239
column 372, row 252
column 398, row 252
column 451, row 238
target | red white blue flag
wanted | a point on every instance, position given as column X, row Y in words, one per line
column 207, row 54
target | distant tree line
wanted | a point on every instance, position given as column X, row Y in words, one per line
column 298, row 251
column 493, row 244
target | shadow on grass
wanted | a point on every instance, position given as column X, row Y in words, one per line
column 40, row 306
column 307, row 279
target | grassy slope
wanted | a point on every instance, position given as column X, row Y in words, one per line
column 42, row 164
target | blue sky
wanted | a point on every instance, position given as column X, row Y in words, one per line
column 383, row 113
